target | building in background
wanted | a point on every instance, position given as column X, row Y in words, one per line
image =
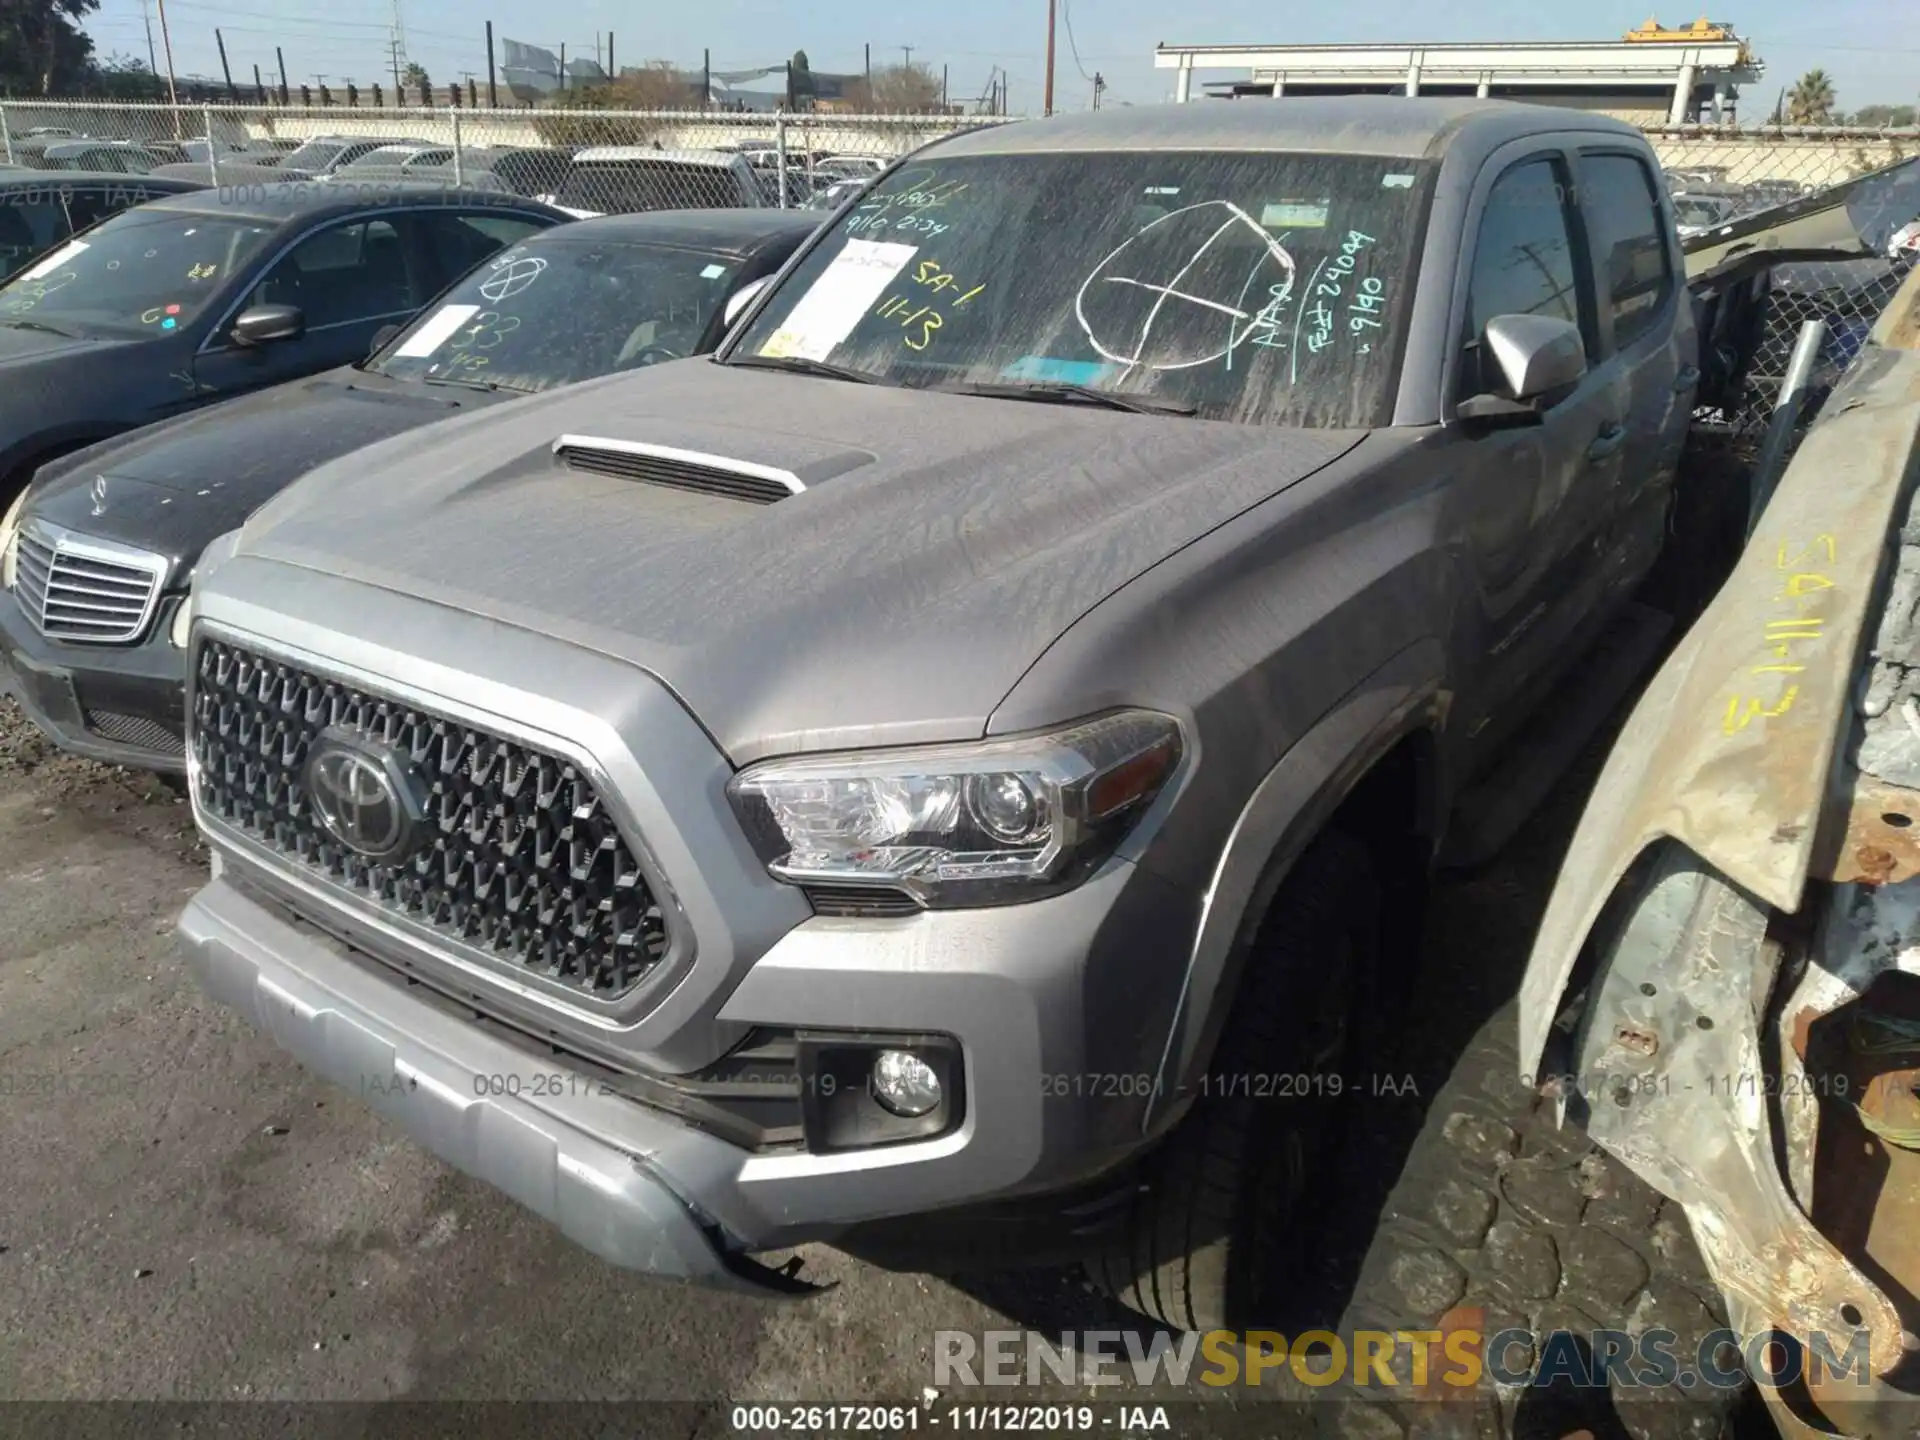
column 1650, row 75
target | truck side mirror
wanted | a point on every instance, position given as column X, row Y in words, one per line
column 1537, row 357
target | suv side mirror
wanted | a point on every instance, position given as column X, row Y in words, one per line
column 742, row 298
column 265, row 324
column 1539, row 358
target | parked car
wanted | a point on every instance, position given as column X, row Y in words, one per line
column 312, row 159
column 558, row 307
column 188, row 300
column 39, row 212
column 99, row 157
column 929, row 763
column 405, row 155
column 623, row 179
column 832, row 197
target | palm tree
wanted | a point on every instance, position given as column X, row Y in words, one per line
column 1811, row 100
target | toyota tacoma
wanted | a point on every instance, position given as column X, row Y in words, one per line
column 954, row 772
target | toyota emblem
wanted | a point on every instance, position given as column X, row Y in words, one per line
column 364, row 795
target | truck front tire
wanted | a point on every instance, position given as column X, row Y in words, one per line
column 1213, row 1221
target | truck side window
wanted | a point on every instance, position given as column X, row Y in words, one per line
column 1523, row 261
column 1629, row 241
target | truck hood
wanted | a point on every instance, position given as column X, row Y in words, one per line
column 942, row 542
column 175, row 486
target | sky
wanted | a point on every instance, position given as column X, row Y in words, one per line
column 1871, row 48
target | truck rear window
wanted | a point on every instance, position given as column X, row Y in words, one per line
column 1264, row 288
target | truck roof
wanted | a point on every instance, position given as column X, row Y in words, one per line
column 1408, row 127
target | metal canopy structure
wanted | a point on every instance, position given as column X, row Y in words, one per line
column 1688, row 76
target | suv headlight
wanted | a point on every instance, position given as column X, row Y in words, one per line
column 182, row 629
column 990, row 822
column 9, row 536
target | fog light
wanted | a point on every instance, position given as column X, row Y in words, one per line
column 905, row 1083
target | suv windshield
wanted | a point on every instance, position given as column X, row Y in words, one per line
column 626, row 186
column 142, row 273
column 314, row 154
column 556, row 311
column 1261, row 288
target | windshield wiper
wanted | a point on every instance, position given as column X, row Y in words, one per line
column 489, row 386
column 800, row 364
column 43, row 327
column 1054, row 392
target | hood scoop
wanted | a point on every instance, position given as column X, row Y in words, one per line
column 693, row 470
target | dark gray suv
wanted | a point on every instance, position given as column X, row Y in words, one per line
column 954, row 773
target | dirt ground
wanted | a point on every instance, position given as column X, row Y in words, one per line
column 187, row 1215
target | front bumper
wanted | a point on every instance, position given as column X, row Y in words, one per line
column 586, row 1162
column 642, row 1188
column 123, row 704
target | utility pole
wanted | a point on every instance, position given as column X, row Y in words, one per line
column 166, row 41
column 944, row 105
column 259, row 86
column 281, row 55
column 225, row 69
column 493, row 90
column 1052, row 8
column 612, row 74
column 706, row 79
column 1099, row 84
column 153, row 61
column 907, row 50
column 396, row 52
column 869, row 74
column 563, row 64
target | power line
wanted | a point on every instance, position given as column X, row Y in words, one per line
column 1066, row 15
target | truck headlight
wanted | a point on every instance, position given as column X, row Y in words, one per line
column 9, row 539
column 984, row 823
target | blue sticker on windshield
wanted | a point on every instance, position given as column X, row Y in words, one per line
column 1063, row 372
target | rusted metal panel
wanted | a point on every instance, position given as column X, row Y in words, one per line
column 1730, row 750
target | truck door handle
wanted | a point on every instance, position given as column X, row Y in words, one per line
column 1688, row 377
column 1607, row 442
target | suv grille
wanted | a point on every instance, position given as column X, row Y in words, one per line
column 73, row 588
column 523, row 861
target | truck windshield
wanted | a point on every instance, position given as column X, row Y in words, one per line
column 1253, row 287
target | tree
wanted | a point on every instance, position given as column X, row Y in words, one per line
column 1810, row 102
column 125, row 77
column 897, row 90
column 656, row 85
column 43, row 51
column 1886, row 117
column 415, row 76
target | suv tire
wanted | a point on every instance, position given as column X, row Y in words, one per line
column 1213, row 1215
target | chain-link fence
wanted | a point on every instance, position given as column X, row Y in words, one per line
column 624, row 159
column 585, row 160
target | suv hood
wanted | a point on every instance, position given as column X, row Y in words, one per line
column 943, row 542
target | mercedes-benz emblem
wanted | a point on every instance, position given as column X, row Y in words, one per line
column 364, row 795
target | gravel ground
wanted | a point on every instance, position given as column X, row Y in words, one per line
column 188, row 1215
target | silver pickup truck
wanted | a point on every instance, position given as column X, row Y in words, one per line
column 911, row 780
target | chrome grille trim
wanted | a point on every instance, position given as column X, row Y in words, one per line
column 82, row 590
column 413, row 938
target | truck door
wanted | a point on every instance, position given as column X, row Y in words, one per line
column 1532, row 501
column 1647, row 335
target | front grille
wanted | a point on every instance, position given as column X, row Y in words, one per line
column 658, row 465
column 74, row 588
column 136, row 730
column 523, row 863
